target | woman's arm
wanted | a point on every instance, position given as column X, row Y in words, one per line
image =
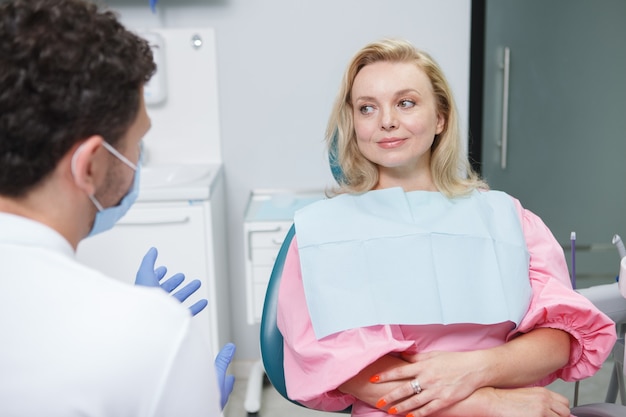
column 486, row 402
column 449, row 377
column 555, row 305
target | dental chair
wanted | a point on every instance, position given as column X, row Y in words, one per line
column 271, row 338
column 271, row 344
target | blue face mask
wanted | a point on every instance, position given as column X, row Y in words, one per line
column 106, row 218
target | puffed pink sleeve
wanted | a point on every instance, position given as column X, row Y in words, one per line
column 555, row 304
column 315, row 368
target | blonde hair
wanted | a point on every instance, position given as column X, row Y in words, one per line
column 450, row 168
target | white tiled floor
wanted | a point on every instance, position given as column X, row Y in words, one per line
column 591, row 390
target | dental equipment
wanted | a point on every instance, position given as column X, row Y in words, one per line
column 572, row 238
column 617, row 241
column 621, row 278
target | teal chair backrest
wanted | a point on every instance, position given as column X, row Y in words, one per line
column 271, row 338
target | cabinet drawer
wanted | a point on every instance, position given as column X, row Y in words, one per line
column 268, row 237
column 264, row 256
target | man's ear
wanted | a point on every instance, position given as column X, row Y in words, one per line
column 86, row 166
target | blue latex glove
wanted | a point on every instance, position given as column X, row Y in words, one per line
column 225, row 382
column 148, row 276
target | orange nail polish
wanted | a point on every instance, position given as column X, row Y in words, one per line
column 393, row 410
column 375, row 378
column 381, row 403
column 410, row 415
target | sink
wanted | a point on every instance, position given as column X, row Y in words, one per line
column 170, row 175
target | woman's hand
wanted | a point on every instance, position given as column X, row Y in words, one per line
column 444, row 379
column 519, row 402
column 448, row 377
column 500, row 402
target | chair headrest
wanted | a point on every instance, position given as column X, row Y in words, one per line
column 333, row 159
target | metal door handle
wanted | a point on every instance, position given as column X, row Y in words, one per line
column 506, row 67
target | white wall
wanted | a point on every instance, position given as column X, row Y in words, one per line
column 279, row 66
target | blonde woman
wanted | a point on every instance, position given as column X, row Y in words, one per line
column 416, row 290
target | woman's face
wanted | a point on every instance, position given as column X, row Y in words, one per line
column 396, row 120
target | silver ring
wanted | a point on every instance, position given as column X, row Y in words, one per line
column 415, row 384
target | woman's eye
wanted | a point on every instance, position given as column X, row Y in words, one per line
column 366, row 109
column 406, row 104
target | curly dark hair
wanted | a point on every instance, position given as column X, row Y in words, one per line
column 68, row 70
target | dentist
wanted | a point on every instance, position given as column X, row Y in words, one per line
column 74, row 341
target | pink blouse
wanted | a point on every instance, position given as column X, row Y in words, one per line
column 315, row 368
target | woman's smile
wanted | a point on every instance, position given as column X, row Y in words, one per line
column 391, row 143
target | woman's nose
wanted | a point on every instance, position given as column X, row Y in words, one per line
column 388, row 120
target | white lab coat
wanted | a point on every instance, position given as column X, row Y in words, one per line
column 74, row 342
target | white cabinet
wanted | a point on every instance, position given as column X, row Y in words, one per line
column 263, row 241
column 190, row 238
column 269, row 216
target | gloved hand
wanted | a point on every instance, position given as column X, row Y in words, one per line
column 148, row 276
column 225, row 382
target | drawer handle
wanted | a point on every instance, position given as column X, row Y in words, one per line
column 268, row 230
column 153, row 222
